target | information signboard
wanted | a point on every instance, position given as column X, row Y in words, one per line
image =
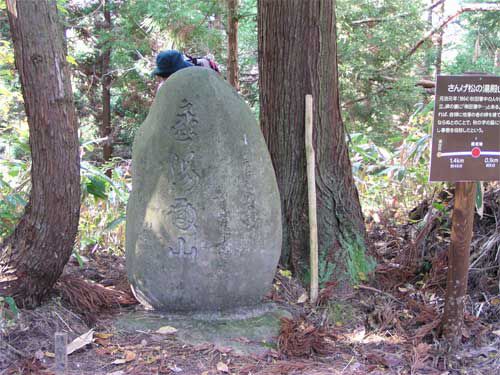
column 466, row 130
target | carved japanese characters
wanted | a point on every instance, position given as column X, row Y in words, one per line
column 203, row 218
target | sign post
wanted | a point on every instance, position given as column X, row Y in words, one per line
column 462, row 221
column 465, row 149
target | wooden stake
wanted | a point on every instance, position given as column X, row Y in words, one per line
column 311, row 189
column 458, row 262
column 60, row 350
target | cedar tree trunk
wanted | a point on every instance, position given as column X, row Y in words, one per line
column 106, row 89
column 33, row 257
column 297, row 56
column 232, row 36
column 439, row 41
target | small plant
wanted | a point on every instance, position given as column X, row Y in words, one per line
column 359, row 264
column 8, row 312
column 14, row 176
column 102, row 214
column 340, row 313
column 325, row 269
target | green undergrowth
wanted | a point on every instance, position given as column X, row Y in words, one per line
column 104, row 199
column 341, row 313
column 392, row 178
column 359, row 264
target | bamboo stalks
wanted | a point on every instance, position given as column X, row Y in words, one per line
column 311, row 188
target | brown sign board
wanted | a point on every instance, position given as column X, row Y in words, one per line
column 466, row 130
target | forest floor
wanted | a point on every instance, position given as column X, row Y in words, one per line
column 389, row 325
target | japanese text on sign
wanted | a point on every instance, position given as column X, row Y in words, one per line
column 466, row 130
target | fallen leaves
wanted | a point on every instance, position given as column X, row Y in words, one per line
column 221, row 366
column 90, row 298
column 299, row 338
column 379, row 357
column 129, row 356
column 80, row 342
column 166, row 330
column 495, row 301
column 103, row 335
column 39, row 354
column 302, row 299
column 419, row 356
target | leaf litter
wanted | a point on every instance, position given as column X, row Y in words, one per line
column 389, row 326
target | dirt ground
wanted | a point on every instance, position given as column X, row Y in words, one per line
column 390, row 325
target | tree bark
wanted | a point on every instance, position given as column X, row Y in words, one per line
column 298, row 56
column 232, row 40
column 477, row 49
column 106, row 129
column 33, row 257
column 429, row 53
column 439, row 42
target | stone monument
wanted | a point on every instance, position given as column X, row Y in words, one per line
column 203, row 219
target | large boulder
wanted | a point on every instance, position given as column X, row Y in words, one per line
column 203, row 218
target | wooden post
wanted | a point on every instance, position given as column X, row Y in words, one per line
column 61, row 352
column 311, row 189
column 458, row 262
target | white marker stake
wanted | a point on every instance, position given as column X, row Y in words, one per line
column 311, row 189
column 60, row 350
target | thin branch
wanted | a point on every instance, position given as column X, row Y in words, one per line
column 433, row 5
column 366, row 287
column 427, row 84
column 478, row 7
column 101, row 3
column 246, row 15
column 362, row 99
column 390, row 18
column 488, row 7
column 15, row 350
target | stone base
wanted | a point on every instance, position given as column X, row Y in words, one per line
column 249, row 331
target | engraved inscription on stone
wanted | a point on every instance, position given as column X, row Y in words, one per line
column 183, row 214
column 183, row 250
column 249, row 216
column 186, row 123
column 182, row 173
column 222, row 232
column 144, row 237
column 205, row 186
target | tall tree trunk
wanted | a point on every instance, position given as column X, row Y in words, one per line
column 106, row 129
column 33, row 257
column 232, row 36
column 477, row 49
column 298, row 56
column 439, row 41
column 429, row 55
